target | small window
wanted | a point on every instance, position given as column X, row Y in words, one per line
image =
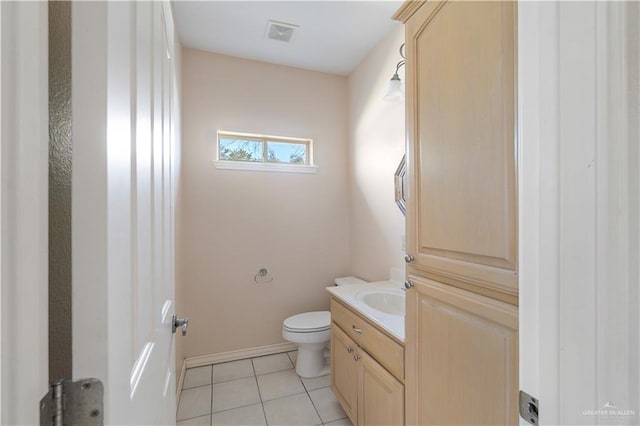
column 262, row 149
column 240, row 149
column 261, row 152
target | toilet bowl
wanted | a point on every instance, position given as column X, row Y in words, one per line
column 311, row 331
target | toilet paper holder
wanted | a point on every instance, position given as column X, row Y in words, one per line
column 262, row 276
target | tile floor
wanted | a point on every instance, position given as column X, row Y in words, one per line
column 258, row 391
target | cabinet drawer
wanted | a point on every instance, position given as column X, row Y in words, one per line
column 383, row 348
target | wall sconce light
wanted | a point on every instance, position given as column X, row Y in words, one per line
column 394, row 87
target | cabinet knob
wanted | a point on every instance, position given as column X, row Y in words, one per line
column 349, row 349
column 356, row 358
column 408, row 284
column 408, row 258
column 356, row 330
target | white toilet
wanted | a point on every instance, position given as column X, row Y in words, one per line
column 312, row 332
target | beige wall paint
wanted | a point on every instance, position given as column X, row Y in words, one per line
column 232, row 223
column 376, row 146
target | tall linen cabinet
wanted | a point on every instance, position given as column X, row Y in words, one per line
column 462, row 305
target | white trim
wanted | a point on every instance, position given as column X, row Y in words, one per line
column 199, row 361
column 532, row 38
column 25, row 193
column 183, row 371
column 2, row 368
column 259, row 136
column 264, row 167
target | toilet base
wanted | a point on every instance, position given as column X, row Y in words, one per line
column 311, row 361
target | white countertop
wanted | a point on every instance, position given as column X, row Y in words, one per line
column 392, row 324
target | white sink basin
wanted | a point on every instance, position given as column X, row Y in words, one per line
column 388, row 301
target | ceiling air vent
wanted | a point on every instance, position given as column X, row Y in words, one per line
column 280, row 31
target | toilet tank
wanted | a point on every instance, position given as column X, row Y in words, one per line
column 349, row 281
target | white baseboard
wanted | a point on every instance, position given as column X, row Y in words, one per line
column 198, row 361
column 183, row 370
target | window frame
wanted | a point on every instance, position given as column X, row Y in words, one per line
column 264, row 164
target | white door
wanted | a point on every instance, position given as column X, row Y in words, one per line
column 124, row 113
column 579, row 99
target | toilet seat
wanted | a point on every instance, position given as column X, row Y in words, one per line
column 308, row 322
column 311, row 332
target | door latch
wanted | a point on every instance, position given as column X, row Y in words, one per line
column 183, row 323
column 528, row 408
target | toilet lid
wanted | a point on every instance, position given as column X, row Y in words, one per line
column 309, row 321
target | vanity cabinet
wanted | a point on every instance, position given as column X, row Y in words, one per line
column 344, row 373
column 461, row 329
column 380, row 394
column 368, row 392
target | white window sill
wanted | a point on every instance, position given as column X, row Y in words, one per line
column 264, row 167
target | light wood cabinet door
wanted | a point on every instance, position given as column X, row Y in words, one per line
column 380, row 395
column 462, row 357
column 344, row 371
column 461, row 206
column 384, row 349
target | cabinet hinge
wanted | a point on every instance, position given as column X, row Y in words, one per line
column 73, row 402
column 529, row 408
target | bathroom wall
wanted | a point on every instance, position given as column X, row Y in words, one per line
column 376, row 146
column 232, row 223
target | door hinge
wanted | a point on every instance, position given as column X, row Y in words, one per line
column 73, row 402
column 528, row 408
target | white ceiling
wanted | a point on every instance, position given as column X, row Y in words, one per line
column 333, row 36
